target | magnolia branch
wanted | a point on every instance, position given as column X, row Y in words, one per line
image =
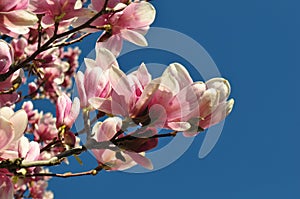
column 93, row 172
column 116, row 145
column 56, row 36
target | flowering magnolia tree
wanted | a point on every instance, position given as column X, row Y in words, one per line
column 33, row 54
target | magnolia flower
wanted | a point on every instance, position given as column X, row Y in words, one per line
column 95, row 81
column 12, row 126
column 19, row 46
column 7, row 97
column 127, row 92
column 30, row 151
column 45, row 129
column 15, row 18
column 6, row 56
column 117, row 160
column 55, row 10
column 131, row 24
column 66, row 111
column 148, row 101
column 172, row 101
column 213, row 105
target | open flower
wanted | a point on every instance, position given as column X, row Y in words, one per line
column 131, row 24
column 213, row 105
column 14, row 17
column 7, row 96
column 120, row 159
column 128, row 91
column 12, row 126
column 6, row 56
column 55, row 10
column 95, row 81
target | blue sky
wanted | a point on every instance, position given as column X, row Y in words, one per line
column 255, row 45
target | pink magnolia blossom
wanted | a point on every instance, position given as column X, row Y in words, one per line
column 45, row 129
column 213, row 105
column 127, row 91
column 19, row 46
column 172, row 101
column 95, row 81
column 6, row 59
column 105, row 131
column 14, row 17
column 55, row 10
column 148, row 101
column 6, row 187
column 131, row 24
column 32, row 114
column 12, row 126
column 6, row 56
column 66, row 111
column 30, row 151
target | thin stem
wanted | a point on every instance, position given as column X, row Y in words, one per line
column 94, row 171
column 79, row 39
column 87, row 123
column 82, row 131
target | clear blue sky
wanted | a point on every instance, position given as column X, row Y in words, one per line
column 256, row 45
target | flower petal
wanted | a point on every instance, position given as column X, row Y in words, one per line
column 19, row 121
column 140, row 159
column 134, row 37
column 6, row 132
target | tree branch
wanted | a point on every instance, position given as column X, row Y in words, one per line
column 56, row 36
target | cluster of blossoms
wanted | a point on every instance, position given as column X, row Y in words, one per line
column 36, row 65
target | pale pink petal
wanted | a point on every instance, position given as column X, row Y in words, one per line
column 109, row 128
column 140, row 159
column 93, row 81
column 6, row 132
column 90, row 63
column 101, row 104
column 20, row 18
column 134, row 37
column 120, row 83
column 180, row 73
column 63, row 103
column 74, row 112
column 34, row 152
column 218, row 115
column 19, row 121
column 179, row 126
column 158, row 115
column 6, row 112
column 105, row 59
column 221, row 85
column 23, row 147
column 6, row 56
column 113, row 44
column 79, row 78
column 208, row 102
column 146, row 97
column 138, row 15
column 143, row 75
column 119, row 105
